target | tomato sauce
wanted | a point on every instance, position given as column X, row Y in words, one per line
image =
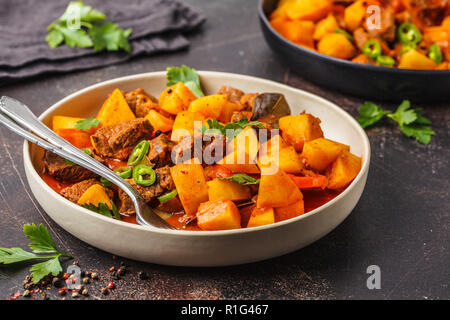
column 313, row 198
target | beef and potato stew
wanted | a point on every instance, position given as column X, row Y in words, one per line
column 223, row 161
column 408, row 34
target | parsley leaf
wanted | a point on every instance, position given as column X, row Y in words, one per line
column 42, row 269
column 103, row 209
column 369, row 114
column 420, row 132
column 13, row 255
column 231, row 129
column 87, row 124
column 111, row 37
column 241, row 179
column 404, row 115
column 87, row 34
column 411, row 121
column 86, row 13
column 186, row 75
column 41, row 242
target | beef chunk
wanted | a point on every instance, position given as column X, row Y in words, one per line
column 117, row 141
column 163, row 184
column 189, row 148
column 57, row 167
column 234, row 95
column 140, row 102
column 74, row 192
column 160, row 152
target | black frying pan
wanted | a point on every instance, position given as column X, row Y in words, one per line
column 366, row 81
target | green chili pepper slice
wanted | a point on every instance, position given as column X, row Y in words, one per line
column 167, row 196
column 345, row 33
column 408, row 33
column 85, row 150
column 105, row 182
column 385, row 61
column 140, row 171
column 138, row 153
column 407, row 47
column 435, row 53
column 372, row 49
column 124, row 172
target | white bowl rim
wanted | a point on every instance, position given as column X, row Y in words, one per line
column 364, row 168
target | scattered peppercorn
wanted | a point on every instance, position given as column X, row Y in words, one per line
column 169, row 90
column 104, row 291
column 121, row 271
column 158, row 133
column 62, row 291
column 56, row 282
column 143, row 275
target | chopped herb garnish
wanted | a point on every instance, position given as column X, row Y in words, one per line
column 41, row 242
column 411, row 121
column 231, row 129
column 241, row 179
column 186, row 75
column 103, row 209
column 87, row 124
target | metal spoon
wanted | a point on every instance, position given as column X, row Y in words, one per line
column 14, row 112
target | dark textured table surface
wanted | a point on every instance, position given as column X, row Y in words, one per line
column 401, row 224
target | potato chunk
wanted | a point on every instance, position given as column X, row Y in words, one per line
column 336, row 45
column 413, row 59
column 190, row 183
column 210, row 106
column 290, row 211
column 277, row 190
column 261, row 217
column 184, row 124
column 296, row 130
column 115, row 110
column 159, row 122
column 320, row 153
column 229, row 190
column 63, row 122
column 244, row 149
column 218, row 215
column 95, row 194
column 344, row 169
column 287, row 159
column 176, row 98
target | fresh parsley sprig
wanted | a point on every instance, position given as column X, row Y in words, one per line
column 87, row 124
column 231, row 129
column 241, row 179
column 108, row 36
column 40, row 242
column 411, row 121
column 186, row 75
column 104, row 210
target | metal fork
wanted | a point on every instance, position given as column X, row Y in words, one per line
column 13, row 113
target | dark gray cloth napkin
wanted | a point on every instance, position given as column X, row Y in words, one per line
column 158, row 26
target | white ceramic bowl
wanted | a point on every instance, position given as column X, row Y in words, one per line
column 201, row 248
